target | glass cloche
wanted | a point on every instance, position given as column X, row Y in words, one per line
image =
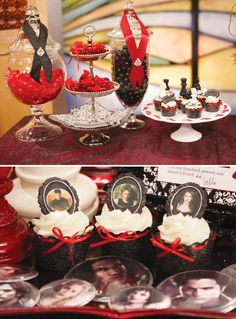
column 130, row 62
column 35, row 75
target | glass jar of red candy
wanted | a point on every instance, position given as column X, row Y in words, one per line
column 30, row 91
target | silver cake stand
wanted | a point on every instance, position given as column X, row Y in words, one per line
column 186, row 133
column 92, row 117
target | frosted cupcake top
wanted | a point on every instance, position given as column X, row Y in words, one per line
column 69, row 224
column 212, row 99
column 169, row 105
column 117, row 221
column 189, row 229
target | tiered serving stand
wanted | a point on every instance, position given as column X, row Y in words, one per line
column 186, row 133
column 92, row 117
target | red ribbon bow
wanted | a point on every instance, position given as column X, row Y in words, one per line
column 137, row 54
column 174, row 249
column 64, row 240
column 109, row 238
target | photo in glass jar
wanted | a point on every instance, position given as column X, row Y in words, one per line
column 188, row 199
column 109, row 274
column 142, row 297
column 56, row 194
column 18, row 294
column 66, row 292
column 201, row 289
column 126, row 192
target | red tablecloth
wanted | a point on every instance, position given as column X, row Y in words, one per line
column 150, row 145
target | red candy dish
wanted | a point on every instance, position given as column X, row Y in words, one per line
column 15, row 238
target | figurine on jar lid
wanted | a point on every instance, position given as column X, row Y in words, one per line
column 35, row 75
column 130, row 61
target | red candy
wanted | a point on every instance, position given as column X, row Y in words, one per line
column 87, row 84
column 80, row 48
column 30, row 92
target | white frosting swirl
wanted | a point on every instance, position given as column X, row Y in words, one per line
column 197, row 106
column 190, row 230
column 68, row 223
column 171, row 104
column 117, row 222
column 183, row 101
column 212, row 99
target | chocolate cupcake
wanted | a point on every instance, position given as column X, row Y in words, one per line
column 168, row 106
column 125, row 234
column 61, row 240
column 158, row 99
column 212, row 102
column 61, row 234
column 183, row 243
column 194, row 111
column 194, row 107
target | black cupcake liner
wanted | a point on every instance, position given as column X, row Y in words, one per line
column 193, row 114
column 172, row 264
column 138, row 249
column 168, row 113
column 212, row 107
column 157, row 105
column 59, row 259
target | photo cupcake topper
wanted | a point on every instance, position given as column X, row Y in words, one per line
column 166, row 99
column 188, row 199
column 126, row 192
column 56, row 194
column 212, row 92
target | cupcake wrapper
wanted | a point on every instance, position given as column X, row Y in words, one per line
column 168, row 113
column 157, row 105
column 59, row 260
column 212, row 107
column 172, row 264
column 137, row 249
column 193, row 114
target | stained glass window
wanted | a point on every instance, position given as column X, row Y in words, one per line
column 171, row 43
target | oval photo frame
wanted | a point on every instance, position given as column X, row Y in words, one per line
column 188, row 199
column 126, row 192
column 56, row 194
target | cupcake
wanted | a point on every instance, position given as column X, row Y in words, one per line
column 158, row 99
column 212, row 102
column 168, row 106
column 201, row 90
column 183, row 243
column 125, row 233
column 194, row 107
column 60, row 239
column 61, row 233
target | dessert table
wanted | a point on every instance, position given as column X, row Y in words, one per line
column 150, row 145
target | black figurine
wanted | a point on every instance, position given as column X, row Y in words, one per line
column 184, row 91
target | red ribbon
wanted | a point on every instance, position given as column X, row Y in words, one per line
column 64, row 240
column 137, row 54
column 109, row 238
column 174, row 249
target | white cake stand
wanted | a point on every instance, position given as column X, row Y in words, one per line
column 186, row 133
